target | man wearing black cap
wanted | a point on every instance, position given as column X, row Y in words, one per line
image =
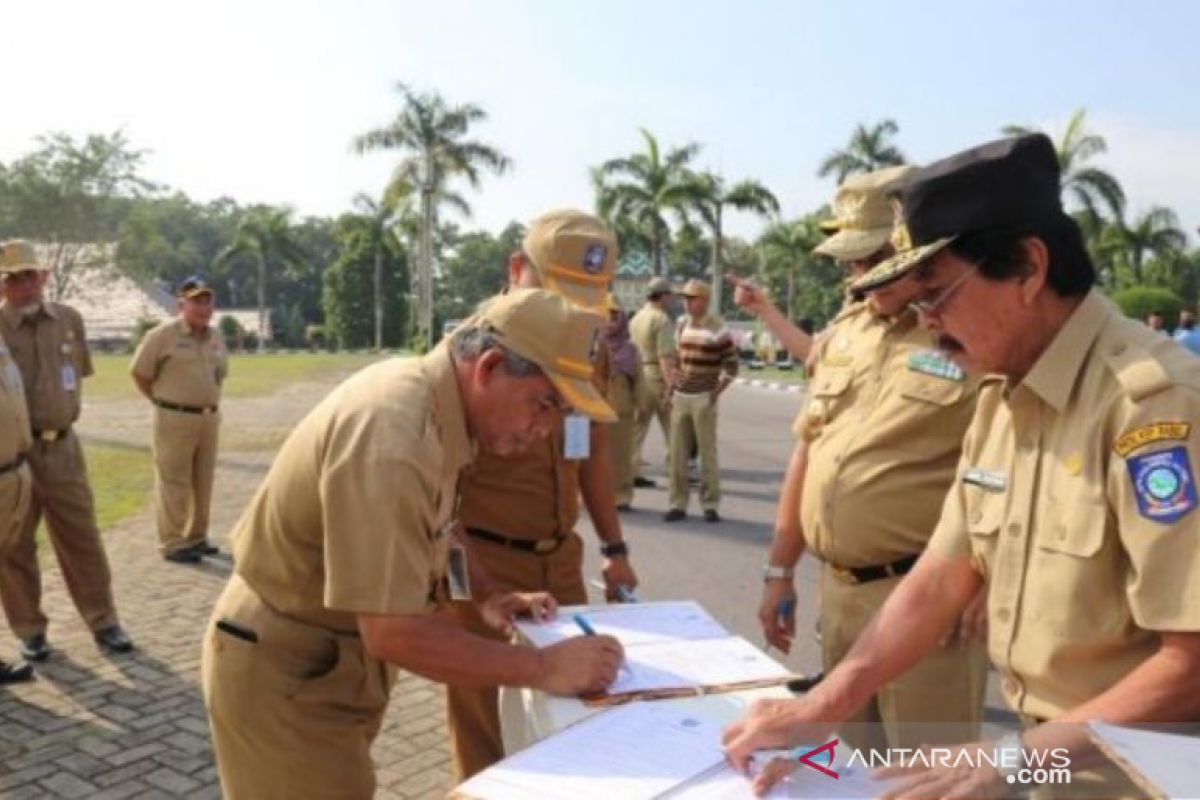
column 180, row 366
column 1076, row 495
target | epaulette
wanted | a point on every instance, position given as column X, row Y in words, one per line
column 1135, row 368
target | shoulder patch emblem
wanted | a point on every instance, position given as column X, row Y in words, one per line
column 1164, row 484
column 1147, row 434
column 931, row 362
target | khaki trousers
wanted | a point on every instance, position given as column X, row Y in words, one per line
column 293, row 714
column 651, row 404
column 937, row 702
column 620, row 436
column 185, row 460
column 473, row 715
column 694, row 427
column 16, row 493
column 61, row 493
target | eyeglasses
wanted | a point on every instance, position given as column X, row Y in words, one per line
column 928, row 307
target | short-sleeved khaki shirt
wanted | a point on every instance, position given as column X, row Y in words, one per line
column 653, row 335
column 183, row 366
column 1075, row 499
column 355, row 514
column 15, row 437
column 885, row 418
column 50, row 348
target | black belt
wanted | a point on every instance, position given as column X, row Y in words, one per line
column 50, row 435
column 185, row 409
column 12, row 465
column 856, row 575
column 542, row 547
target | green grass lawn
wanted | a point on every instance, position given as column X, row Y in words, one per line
column 121, row 478
column 249, row 375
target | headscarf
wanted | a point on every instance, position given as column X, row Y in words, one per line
column 623, row 355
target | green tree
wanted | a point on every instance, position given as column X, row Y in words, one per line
column 349, row 288
column 476, row 267
column 1138, row 302
column 267, row 237
column 870, row 148
column 383, row 228
column 635, row 192
column 433, row 135
column 712, row 198
column 1155, row 234
column 811, row 286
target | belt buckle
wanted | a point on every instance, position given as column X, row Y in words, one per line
column 544, row 547
column 843, row 574
column 50, row 436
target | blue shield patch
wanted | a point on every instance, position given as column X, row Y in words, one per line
column 593, row 258
column 1164, row 484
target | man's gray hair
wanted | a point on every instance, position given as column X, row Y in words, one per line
column 469, row 344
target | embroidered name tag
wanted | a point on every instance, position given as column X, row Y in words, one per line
column 1147, row 434
column 985, row 479
column 931, row 362
column 1164, row 484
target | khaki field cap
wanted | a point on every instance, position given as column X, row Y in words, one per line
column 863, row 214
column 659, row 286
column 696, row 288
column 193, row 286
column 557, row 336
column 574, row 254
column 17, row 255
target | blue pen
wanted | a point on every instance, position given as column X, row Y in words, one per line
column 784, row 608
column 584, row 625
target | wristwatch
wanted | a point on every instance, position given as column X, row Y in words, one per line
column 774, row 573
column 613, row 549
column 1008, row 766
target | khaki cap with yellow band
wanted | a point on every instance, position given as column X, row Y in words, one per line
column 18, row 255
column 558, row 336
column 575, row 254
column 863, row 214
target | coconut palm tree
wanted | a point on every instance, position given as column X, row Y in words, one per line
column 710, row 202
column 1090, row 187
column 637, row 191
column 267, row 235
column 433, row 135
column 1155, row 234
column 870, row 148
column 786, row 247
column 384, row 224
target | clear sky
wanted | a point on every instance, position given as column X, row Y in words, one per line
column 259, row 100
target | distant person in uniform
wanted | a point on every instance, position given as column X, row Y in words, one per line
column 180, row 366
column 625, row 376
column 654, row 336
column 16, row 482
column 48, row 343
column 708, row 364
column 1074, row 502
column 1187, row 335
column 348, row 548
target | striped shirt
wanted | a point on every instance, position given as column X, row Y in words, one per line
column 706, row 350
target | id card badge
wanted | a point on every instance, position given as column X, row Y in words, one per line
column 68, row 378
column 577, row 430
column 457, row 574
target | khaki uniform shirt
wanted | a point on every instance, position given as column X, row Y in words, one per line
column 885, row 420
column 1075, row 500
column 15, row 437
column 184, row 367
column 355, row 514
column 50, row 348
column 652, row 334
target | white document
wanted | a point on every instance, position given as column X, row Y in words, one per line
column 632, row 624
column 1171, row 762
column 852, row 783
column 708, row 662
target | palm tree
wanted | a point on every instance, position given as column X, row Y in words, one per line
column 383, row 223
column 433, row 136
column 653, row 184
column 869, row 149
column 267, row 235
column 712, row 199
column 1090, row 187
column 1156, row 234
column 787, row 247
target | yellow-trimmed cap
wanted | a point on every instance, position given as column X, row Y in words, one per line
column 559, row 337
column 862, row 214
column 906, row 258
column 575, row 254
column 18, row 255
column 696, row 288
column 193, row 286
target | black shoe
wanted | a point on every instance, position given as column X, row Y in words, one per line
column 711, row 515
column 34, row 648
column 624, row 507
column 15, row 673
column 674, row 515
column 188, row 555
column 113, row 639
column 643, row 483
column 206, row 548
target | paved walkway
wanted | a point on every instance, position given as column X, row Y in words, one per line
column 134, row 726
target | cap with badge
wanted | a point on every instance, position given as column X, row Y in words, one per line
column 558, row 336
column 575, row 254
column 1008, row 184
column 696, row 288
column 659, row 286
column 18, row 255
column 193, row 286
column 862, row 215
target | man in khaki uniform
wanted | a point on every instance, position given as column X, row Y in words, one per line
column 624, row 380
column 47, row 341
column 180, row 366
column 16, row 483
column 654, row 336
column 708, row 363
column 345, row 551
column 1074, row 501
column 519, row 510
column 877, row 445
